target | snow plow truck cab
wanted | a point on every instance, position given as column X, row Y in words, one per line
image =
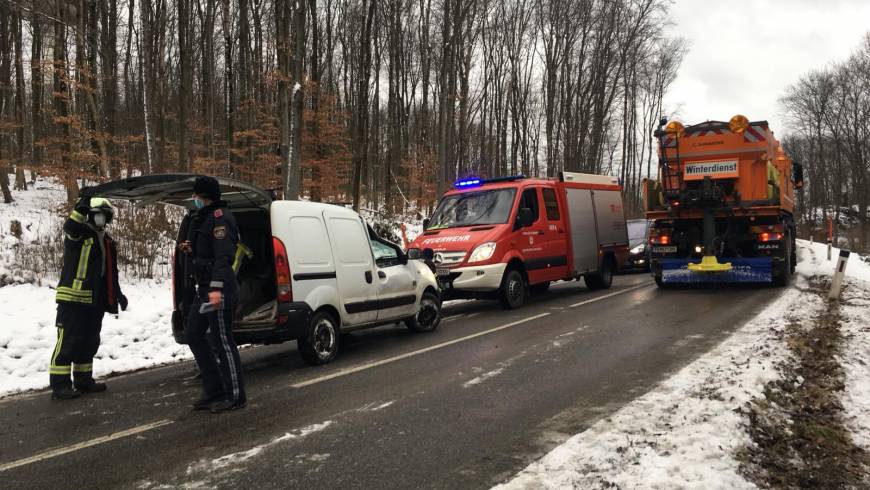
column 505, row 237
column 315, row 270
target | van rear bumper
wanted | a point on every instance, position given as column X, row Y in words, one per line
column 295, row 326
column 480, row 278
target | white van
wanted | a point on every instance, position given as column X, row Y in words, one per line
column 315, row 270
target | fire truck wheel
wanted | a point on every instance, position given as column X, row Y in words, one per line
column 601, row 279
column 513, row 290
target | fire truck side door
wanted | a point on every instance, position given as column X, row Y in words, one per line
column 530, row 239
column 554, row 240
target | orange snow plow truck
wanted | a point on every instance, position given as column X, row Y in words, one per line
column 723, row 205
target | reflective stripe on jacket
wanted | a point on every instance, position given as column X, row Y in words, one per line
column 81, row 275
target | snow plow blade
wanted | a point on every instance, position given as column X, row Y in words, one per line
column 754, row 270
column 710, row 264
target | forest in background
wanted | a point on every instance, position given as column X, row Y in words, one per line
column 378, row 103
column 829, row 113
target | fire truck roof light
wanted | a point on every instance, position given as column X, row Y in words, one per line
column 466, row 183
column 470, row 182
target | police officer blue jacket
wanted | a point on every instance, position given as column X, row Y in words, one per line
column 215, row 243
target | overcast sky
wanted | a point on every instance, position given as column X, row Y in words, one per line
column 743, row 54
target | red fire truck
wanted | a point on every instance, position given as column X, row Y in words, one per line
column 505, row 237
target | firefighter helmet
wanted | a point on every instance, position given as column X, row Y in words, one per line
column 102, row 205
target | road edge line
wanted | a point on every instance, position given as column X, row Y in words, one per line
column 363, row 367
column 52, row 453
column 610, row 295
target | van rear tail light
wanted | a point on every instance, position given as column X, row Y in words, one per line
column 282, row 272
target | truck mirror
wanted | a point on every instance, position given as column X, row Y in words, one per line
column 525, row 217
column 797, row 171
column 426, row 223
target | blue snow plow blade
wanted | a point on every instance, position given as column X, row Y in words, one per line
column 757, row 270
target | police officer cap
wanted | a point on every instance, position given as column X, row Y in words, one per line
column 206, row 186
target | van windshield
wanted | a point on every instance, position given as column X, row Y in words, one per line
column 473, row 208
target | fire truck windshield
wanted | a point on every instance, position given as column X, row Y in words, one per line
column 473, row 208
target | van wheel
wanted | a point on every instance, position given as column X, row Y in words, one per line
column 428, row 316
column 601, row 279
column 321, row 344
column 512, row 293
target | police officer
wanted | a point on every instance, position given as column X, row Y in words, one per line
column 88, row 288
column 215, row 237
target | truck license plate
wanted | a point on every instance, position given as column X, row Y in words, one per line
column 665, row 250
column 442, row 271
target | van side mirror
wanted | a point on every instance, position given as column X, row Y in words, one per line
column 525, row 217
column 428, row 254
column 797, row 171
column 426, row 223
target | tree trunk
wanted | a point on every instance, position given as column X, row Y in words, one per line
column 282, row 27
column 185, row 92
column 20, row 180
column 36, row 89
column 88, row 88
column 293, row 174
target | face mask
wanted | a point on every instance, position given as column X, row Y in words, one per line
column 198, row 203
column 100, row 220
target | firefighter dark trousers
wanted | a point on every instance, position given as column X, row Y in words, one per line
column 221, row 376
column 78, row 338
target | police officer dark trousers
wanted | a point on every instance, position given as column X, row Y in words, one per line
column 214, row 241
column 88, row 288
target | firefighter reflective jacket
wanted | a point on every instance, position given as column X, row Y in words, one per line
column 89, row 275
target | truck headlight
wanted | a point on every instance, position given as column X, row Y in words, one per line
column 483, row 252
column 638, row 249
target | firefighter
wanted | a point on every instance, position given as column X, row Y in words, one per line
column 214, row 243
column 88, row 288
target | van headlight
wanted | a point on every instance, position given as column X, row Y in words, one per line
column 638, row 249
column 483, row 252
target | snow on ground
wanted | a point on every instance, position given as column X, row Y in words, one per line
column 207, row 467
column 37, row 211
column 137, row 338
column 685, row 432
column 855, row 357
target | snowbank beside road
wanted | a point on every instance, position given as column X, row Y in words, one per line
column 137, row 338
column 686, row 432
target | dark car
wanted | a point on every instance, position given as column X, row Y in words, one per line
column 638, row 245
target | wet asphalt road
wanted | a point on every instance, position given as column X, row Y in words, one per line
column 467, row 406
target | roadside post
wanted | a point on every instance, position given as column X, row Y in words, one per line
column 830, row 235
column 839, row 272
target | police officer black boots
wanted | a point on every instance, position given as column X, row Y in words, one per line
column 88, row 288
column 210, row 322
